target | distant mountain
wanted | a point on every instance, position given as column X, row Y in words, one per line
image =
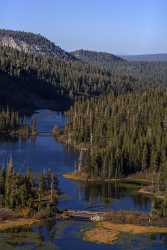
column 98, row 58
column 146, row 58
column 32, row 43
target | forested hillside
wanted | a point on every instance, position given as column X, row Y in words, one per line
column 51, row 78
column 42, row 78
column 32, row 78
column 123, row 135
column 94, row 57
column 32, row 43
column 146, row 68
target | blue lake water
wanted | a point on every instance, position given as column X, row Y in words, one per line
column 45, row 152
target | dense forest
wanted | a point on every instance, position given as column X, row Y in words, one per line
column 65, row 78
column 122, row 134
column 33, row 79
column 145, row 72
column 26, row 191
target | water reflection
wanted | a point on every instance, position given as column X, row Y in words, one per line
column 69, row 235
column 45, row 152
column 115, row 195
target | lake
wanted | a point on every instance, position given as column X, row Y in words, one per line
column 45, row 152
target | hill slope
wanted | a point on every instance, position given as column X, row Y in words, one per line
column 98, row 58
column 32, row 43
column 47, row 78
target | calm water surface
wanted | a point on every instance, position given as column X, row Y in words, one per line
column 45, row 152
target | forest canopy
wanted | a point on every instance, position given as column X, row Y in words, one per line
column 33, row 78
column 123, row 134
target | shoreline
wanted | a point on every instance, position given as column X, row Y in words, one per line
column 61, row 137
column 118, row 217
column 145, row 190
column 84, row 178
column 25, row 222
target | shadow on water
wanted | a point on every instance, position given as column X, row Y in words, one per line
column 116, row 196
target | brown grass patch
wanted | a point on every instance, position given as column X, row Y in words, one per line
column 100, row 235
column 135, row 229
column 17, row 223
column 108, row 232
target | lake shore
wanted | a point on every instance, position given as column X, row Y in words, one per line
column 146, row 189
column 117, row 217
column 138, row 178
column 12, row 223
column 83, row 177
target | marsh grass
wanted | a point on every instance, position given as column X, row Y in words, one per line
column 108, row 232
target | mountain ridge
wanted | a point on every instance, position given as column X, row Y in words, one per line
column 161, row 57
column 38, row 44
column 95, row 57
column 31, row 43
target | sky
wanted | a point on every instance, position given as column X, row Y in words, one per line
column 116, row 26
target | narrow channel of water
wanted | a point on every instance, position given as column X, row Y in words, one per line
column 45, row 152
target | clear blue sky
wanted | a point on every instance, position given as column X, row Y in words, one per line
column 117, row 26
